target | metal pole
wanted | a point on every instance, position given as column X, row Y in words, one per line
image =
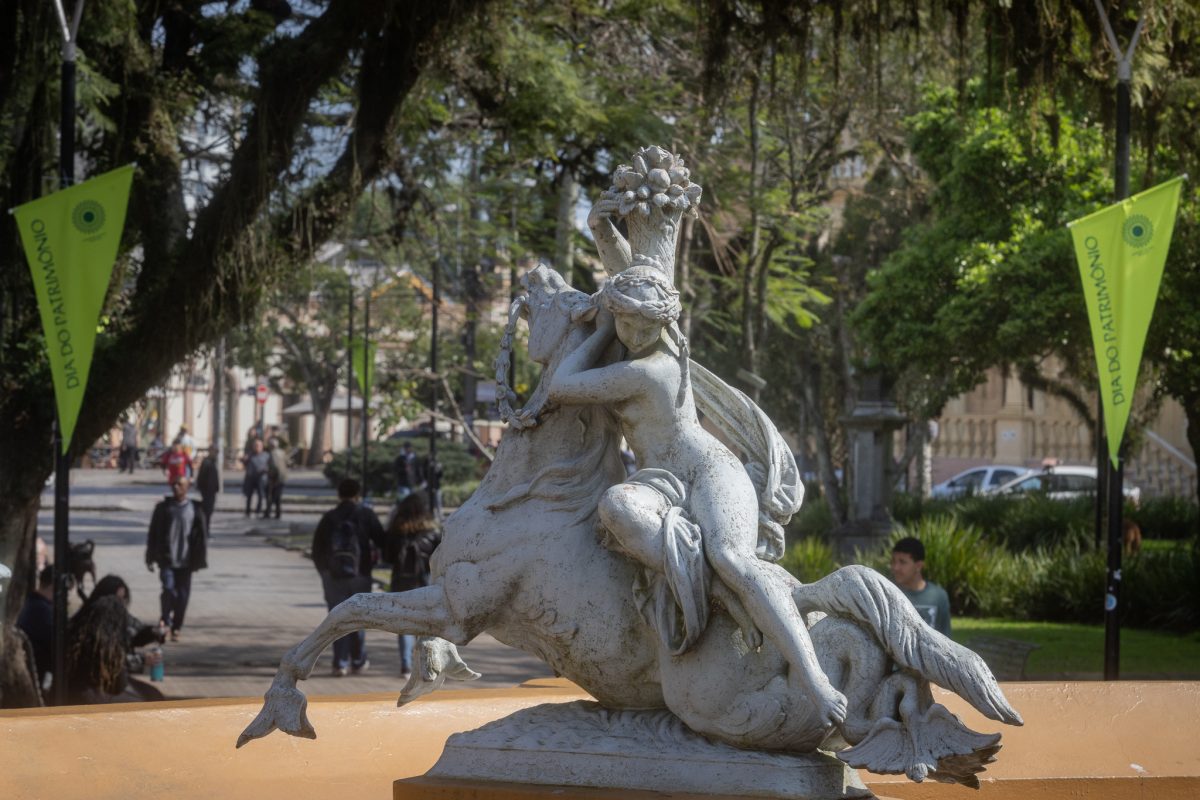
column 216, row 450
column 62, row 462
column 350, row 379
column 366, row 385
column 1115, row 476
column 434, row 384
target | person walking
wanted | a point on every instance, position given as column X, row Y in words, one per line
column 931, row 600
column 129, row 446
column 177, row 543
column 412, row 536
column 208, row 482
column 342, row 553
column 434, row 470
column 176, row 462
column 407, row 471
column 254, row 484
column 277, row 475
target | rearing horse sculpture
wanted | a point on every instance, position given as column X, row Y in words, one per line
column 521, row 559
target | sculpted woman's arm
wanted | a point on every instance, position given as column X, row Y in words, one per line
column 577, row 381
column 614, row 250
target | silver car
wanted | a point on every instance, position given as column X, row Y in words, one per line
column 978, row 480
column 1061, row 483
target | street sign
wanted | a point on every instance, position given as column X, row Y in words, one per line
column 261, row 394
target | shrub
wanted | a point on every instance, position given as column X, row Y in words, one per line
column 1166, row 517
column 1162, row 588
column 812, row 520
column 455, row 494
column 459, row 465
column 809, row 559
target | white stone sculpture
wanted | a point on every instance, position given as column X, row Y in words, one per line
column 660, row 591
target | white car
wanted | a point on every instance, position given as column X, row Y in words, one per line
column 1061, row 483
column 978, row 480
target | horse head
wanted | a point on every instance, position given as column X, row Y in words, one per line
column 554, row 312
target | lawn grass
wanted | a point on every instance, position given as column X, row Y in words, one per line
column 1068, row 650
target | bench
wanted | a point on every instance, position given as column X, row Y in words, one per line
column 1005, row 657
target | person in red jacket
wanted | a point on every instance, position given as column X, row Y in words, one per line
column 176, row 463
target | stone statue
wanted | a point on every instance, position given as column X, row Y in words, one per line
column 659, row 590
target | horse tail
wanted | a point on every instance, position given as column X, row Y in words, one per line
column 863, row 595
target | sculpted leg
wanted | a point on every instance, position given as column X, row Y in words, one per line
column 767, row 599
column 422, row 612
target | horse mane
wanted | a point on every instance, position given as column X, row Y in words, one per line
column 576, row 481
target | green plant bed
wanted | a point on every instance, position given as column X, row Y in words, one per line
column 1072, row 650
column 458, row 463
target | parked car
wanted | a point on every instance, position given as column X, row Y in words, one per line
column 1061, row 483
column 978, row 480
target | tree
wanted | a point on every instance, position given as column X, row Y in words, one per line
column 214, row 104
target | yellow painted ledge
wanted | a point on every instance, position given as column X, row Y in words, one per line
column 1081, row 740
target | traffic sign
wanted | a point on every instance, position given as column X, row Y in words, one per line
column 261, row 394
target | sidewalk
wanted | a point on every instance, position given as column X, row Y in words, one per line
column 254, row 602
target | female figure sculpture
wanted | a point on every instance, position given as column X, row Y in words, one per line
column 689, row 479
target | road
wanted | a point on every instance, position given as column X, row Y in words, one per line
column 254, row 601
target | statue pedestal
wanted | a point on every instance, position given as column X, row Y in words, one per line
column 557, row 749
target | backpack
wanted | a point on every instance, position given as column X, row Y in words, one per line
column 347, row 550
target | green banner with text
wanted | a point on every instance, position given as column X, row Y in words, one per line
column 362, row 356
column 1121, row 252
column 71, row 239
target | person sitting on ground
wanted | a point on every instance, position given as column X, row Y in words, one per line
column 931, row 600
column 342, row 554
column 101, row 641
column 37, row 621
column 412, row 536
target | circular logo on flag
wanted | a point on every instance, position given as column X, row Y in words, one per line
column 88, row 216
column 1138, row 230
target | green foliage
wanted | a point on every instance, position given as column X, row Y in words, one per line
column 1076, row 650
column 813, row 521
column 810, row 559
column 990, row 278
column 460, row 466
column 1166, row 517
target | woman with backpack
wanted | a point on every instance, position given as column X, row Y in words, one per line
column 412, row 536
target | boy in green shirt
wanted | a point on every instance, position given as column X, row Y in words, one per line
column 931, row 600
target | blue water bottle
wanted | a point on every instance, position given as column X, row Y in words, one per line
column 156, row 669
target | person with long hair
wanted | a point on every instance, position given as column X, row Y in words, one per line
column 412, row 536
column 102, row 638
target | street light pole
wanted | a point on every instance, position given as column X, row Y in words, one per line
column 349, row 375
column 62, row 462
column 434, row 384
column 366, row 382
column 1116, row 475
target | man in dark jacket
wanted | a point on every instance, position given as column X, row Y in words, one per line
column 341, row 551
column 178, row 544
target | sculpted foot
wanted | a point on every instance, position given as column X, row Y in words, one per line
column 831, row 704
column 284, row 707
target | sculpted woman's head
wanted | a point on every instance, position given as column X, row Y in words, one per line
column 643, row 302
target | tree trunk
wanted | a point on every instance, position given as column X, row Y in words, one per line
column 564, row 225
column 18, row 526
column 830, row 486
column 749, row 345
column 684, row 282
column 322, row 402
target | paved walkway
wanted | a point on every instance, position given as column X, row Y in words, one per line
column 254, row 601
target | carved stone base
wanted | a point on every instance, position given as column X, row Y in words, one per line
column 581, row 744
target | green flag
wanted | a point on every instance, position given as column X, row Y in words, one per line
column 1121, row 251
column 364, row 368
column 70, row 240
